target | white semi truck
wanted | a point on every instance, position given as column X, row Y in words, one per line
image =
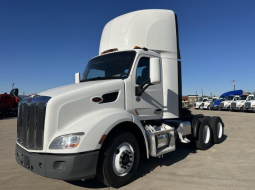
column 226, row 104
column 238, row 104
column 198, row 104
column 206, row 104
column 127, row 103
column 250, row 105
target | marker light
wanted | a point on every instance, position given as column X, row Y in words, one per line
column 109, row 50
column 66, row 141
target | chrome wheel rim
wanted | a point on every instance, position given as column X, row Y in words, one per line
column 219, row 130
column 123, row 159
column 206, row 134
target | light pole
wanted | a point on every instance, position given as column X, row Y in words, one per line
column 233, row 81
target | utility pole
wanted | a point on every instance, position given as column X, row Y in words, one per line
column 233, row 81
column 202, row 92
column 211, row 94
column 196, row 95
column 12, row 85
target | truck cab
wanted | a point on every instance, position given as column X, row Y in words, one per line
column 226, row 104
column 238, row 104
column 198, row 104
column 250, row 104
column 127, row 103
column 207, row 104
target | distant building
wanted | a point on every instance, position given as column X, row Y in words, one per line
column 192, row 99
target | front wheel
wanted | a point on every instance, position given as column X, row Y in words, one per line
column 119, row 159
column 242, row 109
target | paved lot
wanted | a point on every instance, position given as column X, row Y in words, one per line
column 229, row 165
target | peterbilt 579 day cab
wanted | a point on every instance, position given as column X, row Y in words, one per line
column 215, row 105
column 226, row 104
column 238, row 104
column 198, row 104
column 206, row 105
column 127, row 103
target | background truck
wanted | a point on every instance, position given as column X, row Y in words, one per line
column 215, row 105
column 127, row 103
column 226, row 104
column 8, row 105
column 206, row 104
column 198, row 104
column 250, row 105
column 238, row 104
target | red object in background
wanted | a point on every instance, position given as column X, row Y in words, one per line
column 8, row 105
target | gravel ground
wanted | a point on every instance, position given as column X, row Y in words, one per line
column 229, row 165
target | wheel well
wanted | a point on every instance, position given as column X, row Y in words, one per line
column 132, row 128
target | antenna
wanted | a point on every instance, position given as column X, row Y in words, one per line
column 233, row 81
column 12, row 85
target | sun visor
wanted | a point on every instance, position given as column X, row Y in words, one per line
column 154, row 29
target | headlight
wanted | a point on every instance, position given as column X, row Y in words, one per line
column 66, row 141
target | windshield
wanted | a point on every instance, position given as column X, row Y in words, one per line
column 222, row 97
column 110, row 66
column 230, row 97
column 243, row 97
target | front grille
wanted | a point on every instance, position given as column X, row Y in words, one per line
column 30, row 123
column 194, row 104
column 247, row 105
column 233, row 105
column 222, row 105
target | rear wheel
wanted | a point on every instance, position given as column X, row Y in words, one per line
column 204, row 135
column 118, row 160
column 218, row 129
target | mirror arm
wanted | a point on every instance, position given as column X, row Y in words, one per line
column 142, row 87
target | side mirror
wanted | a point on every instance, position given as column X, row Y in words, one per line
column 15, row 92
column 77, row 78
column 155, row 75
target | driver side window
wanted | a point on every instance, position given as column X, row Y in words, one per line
column 143, row 70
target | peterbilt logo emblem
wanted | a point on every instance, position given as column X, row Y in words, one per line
column 29, row 100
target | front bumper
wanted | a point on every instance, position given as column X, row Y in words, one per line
column 251, row 108
column 59, row 166
column 236, row 108
column 215, row 107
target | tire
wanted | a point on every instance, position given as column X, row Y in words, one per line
column 118, row 160
column 199, row 107
column 228, row 108
column 209, row 107
column 204, row 135
column 242, row 109
column 217, row 129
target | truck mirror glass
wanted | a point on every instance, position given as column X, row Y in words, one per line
column 77, row 78
column 155, row 75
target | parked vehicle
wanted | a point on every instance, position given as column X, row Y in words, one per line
column 198, row 104
column 226, row 104
column 215, row 105
column 8, row 105
column 207, row 104
column 250, row 105
column 128, row 103
column 238, row 104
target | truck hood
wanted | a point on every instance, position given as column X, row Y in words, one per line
column 87, row 86
column 239, row 101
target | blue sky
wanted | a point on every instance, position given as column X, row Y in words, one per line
column 44, row 42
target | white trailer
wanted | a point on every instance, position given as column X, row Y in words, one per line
column 127, row 103
column 238, row 104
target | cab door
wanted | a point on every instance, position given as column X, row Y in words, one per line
column 150, row 104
